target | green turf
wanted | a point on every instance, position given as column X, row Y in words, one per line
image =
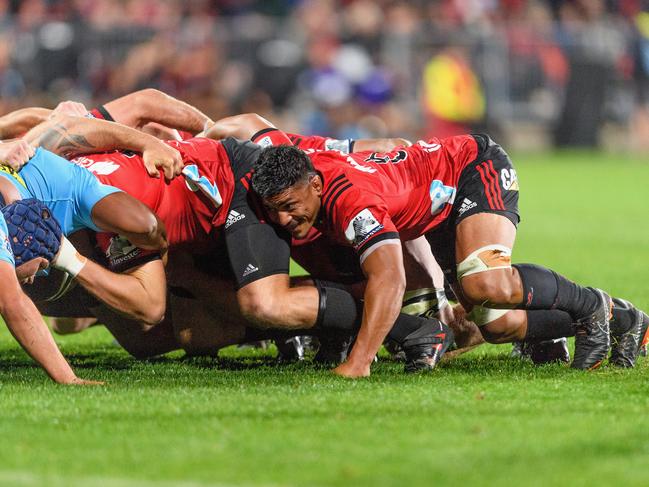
column 484, row 419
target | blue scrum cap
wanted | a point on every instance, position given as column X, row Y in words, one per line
column 33, row 230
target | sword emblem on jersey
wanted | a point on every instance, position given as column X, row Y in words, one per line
column 196, row 182
column 440, row 195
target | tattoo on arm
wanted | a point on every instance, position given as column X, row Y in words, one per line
column 60, row 141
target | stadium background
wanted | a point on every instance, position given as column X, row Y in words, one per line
column 538, row 75
column 533, row 73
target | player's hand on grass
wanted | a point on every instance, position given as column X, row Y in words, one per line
column 352, row 370
column 161, row 156
column 69, row 108
column 16, row 153
column 77, row 381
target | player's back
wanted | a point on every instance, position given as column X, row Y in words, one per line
column 417, row 183
column 188, row 214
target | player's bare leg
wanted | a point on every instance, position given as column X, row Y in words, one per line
column 69, row 326
column 272, row 302
column 138, row 338
column 483, row 248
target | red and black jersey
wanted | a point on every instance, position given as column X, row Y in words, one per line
column 369, row 197
column 191, row 205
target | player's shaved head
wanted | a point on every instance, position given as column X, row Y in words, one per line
column 279, row 168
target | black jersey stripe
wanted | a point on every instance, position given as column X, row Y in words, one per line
column 335, row 197
column 332, row 188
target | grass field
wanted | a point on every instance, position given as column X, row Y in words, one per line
column 483, row 419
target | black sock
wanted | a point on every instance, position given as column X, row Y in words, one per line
column 623, row 317
column 548, row 324
column 337, row 309
column 545, row 289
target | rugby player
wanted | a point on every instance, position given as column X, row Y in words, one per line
column 462, row 193
column 78, row 200
column 38, row 248
column 192, row 216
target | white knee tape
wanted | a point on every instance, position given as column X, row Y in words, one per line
column 482, row 316
column 487, row 258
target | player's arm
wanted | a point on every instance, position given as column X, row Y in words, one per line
column 379, row 145
column 18, row 122
column 70, row 135
column 386, row 283
column 140, row 293
column 134, row 283
column 427, row 268
column 151, row 105
column 26, row 325
column 243, row 126
column 251, row 126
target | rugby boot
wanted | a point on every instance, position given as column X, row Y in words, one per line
column 425, row 347
column 395, row 350
column 549, row 351
column 592, row 337
column 292, row 349
column 334, row 346
column 520, row 350
column 625, row 347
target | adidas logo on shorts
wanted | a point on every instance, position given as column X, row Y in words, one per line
column 249, row 270
column 233, row 217
column 467, row 204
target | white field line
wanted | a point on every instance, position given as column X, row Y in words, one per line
column 20, row 478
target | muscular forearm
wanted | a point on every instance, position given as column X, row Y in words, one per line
column 242, row 126
column 16, row 123
column 68, row 136
column 383, row 296
column 149, row 105
column 426, row 270
column 26, row 325
column 134, row 295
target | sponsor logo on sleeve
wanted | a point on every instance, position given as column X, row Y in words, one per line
column 121, row 250
column 265, row 142
column 337, row 144
column 362, row 227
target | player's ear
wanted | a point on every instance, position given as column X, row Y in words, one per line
column 316, row 184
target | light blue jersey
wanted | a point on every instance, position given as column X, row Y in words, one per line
column 6, row 253
column 68, row 190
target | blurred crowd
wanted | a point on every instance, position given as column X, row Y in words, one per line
column 350, row 68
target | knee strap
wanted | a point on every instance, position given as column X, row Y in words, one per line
column 482, row 316
column 487, row 258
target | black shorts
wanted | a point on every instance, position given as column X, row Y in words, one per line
column 256, row 249
column 487, row 185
